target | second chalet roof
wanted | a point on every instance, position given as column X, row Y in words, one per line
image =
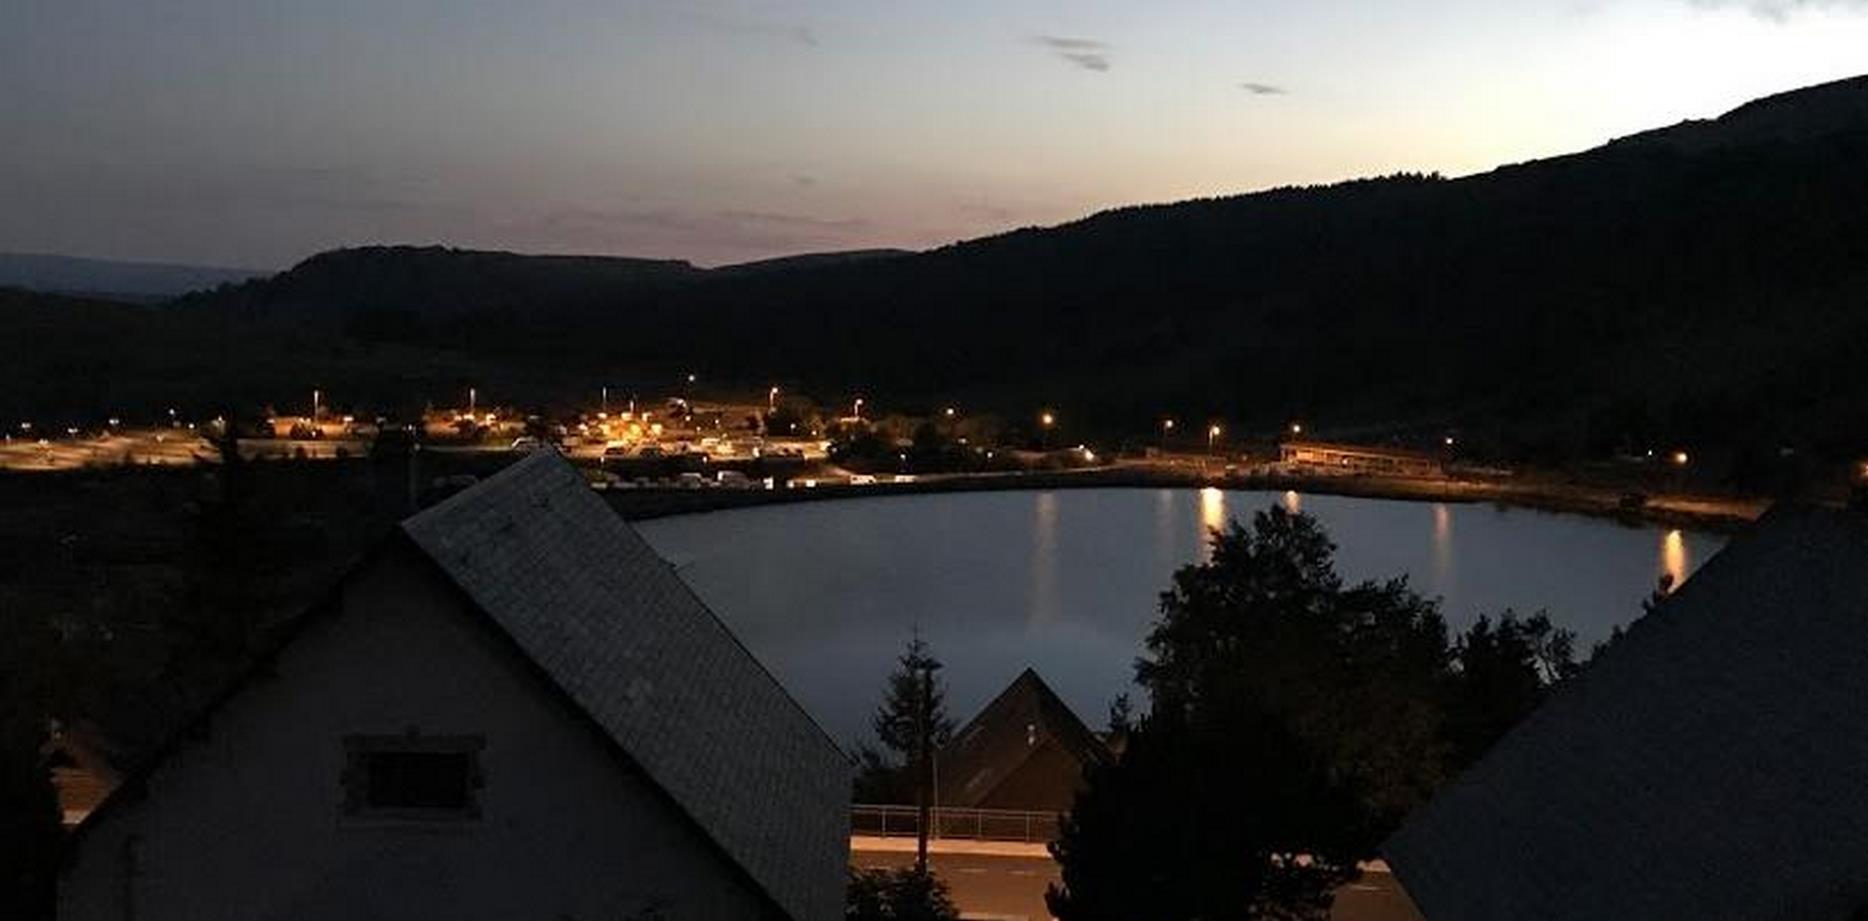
column 992, row 745
column 1709, row 766
column 613, row 625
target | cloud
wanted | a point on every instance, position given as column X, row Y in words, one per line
column 798, row 32
column 1087, row 53
column 795, row 221
column 1783, row 10
column 1263, row 89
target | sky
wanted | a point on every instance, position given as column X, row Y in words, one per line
column 254, row 133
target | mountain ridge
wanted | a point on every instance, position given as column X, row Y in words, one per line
column 1669, row 285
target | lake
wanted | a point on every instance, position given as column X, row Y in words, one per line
column 1066, row 581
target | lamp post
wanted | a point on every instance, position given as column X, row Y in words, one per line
column 856, row 409
column 1045, row 422
column 1212, row 437
column 924, row 774
column 771, row 400
column 1167, row 430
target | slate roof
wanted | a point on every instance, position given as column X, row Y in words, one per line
column 1712, row 765
column 997, row 740
column 613, row 625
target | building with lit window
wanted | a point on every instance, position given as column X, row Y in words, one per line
column 1329, row 457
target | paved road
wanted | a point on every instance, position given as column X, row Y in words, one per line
column 1006, row 888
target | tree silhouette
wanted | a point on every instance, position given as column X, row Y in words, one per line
column 30, row 820
column 897, row 895
column 1294, row 720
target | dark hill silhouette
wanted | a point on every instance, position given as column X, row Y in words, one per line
column 112, row 279
column 1699, row 283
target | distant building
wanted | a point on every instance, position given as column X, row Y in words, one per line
column 1025, row 750
column 1329, row 457
column 1709, row 766
column 514, row 709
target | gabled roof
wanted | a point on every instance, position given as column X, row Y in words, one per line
column 1709, row 766
column 996, row 741
column 585, row 597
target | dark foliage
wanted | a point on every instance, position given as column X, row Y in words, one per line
column 897, row 895
column 886, row 775
column 30, row 831
column 1504, row 670
column 1292, row 716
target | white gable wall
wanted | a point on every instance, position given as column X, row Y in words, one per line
column 248, row 822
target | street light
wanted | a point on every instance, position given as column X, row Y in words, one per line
column 1680, row 458
column 1297, row 428
column 1212, row 436
column 771, row 400
column 950, row 412
column 857, row 410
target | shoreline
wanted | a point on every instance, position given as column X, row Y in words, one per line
column 1716, row 514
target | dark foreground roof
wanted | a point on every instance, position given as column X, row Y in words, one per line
column 1003, row 735
column 1712, row 765
column 587, row 598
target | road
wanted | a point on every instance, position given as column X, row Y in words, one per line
column 1006, row 882
column 152, row 446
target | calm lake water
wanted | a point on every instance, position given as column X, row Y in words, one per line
column 1066, row 581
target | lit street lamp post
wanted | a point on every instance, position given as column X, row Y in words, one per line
column 1167, row 429
column 1212, row 437
column 1045, row 422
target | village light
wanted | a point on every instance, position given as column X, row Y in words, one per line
column 950, row 412
column 1680, row 458
column 1297, row 428
column 1047, row 420
column 1167, row 425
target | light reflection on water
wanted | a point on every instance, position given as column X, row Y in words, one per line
column 1212, row 518
column 1675, row 559
column 1068, row 581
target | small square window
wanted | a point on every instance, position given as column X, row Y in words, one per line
column 413, row 777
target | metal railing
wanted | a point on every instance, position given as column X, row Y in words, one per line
column 949, row 822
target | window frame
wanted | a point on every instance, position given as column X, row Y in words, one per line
column 358, row 747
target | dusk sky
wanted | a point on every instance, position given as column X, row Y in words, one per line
column 256, row 132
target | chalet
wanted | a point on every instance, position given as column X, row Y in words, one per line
column 1026, row 750
column 1708, row 766
column 1330, row 457
column 513, row 709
